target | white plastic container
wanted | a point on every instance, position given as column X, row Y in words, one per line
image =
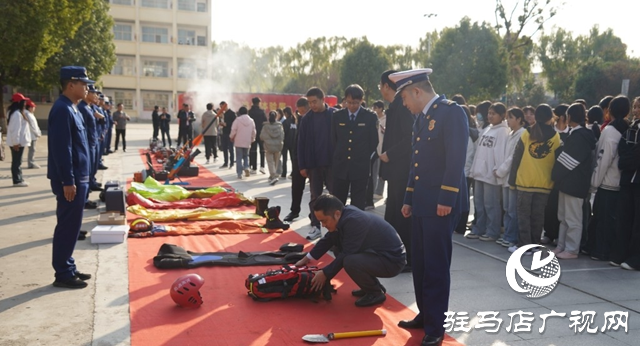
column 109, row 234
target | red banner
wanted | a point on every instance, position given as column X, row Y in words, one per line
column 269, row 102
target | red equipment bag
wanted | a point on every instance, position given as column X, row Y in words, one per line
column 288, row 281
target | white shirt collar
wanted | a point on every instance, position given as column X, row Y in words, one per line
column 426, row 108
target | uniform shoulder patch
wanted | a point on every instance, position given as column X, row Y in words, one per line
column 449, row 102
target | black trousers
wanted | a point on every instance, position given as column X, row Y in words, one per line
column 319, row 178
column 365, row 268
column 16, row 163
column 227, row 149
column 253, row 155
column 393, row 213
column 464, row 217
column 297, row 187
column 185, row 134
column 210, row 143
column 165, row 132
column 156, row 128
column 358, row 191
column 627, row 245
column 122, row 133
column 285, row 153
column 551, row 222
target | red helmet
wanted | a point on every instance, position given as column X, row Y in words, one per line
column 185, row 291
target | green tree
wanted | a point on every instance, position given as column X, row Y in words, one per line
column 605, row 45
column 363, row 65
column 422, row 55
column 560, row 57
column 511, row 24
column 468, row 60
column 401, row 57
column 92, row 47
column 31, row 32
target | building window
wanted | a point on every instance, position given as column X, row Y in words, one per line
column 122, row 2
column 124, row 97
column 154, row 68
column 202, row 7
column 125, row 66
column 151, row 99
column 186, row 69
column 155, row 34
column 187, row 5
column 187, row 37
column 155, row 3
column 202, row 41
column 122, row 32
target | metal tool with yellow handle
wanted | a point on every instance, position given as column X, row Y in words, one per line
column 317, row 338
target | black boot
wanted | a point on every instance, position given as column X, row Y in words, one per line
column 273, row 219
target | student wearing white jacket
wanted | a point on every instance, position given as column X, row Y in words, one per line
column 605, row 182
column 35, row 133
column 490, row 153
column 516, row 122
column 243, row 133
column 18, row 136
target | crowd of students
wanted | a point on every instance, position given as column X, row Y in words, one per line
column 534, row 172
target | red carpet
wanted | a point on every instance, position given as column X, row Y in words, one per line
column 230, row 317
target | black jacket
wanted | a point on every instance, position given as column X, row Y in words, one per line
column 359, row 232
column 397, row 142
column 629, row 155
column 229, row 118
column 155, row 118
column 259, row 117
column 574, row 166
column 354, row 142
column 289, row 133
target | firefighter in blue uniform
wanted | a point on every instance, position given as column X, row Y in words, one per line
column 86, row 110
column 435, row 195
column 68, row 170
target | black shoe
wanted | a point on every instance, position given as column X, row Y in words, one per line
column 411, row 324
column 290, row 217
column 103, row 167
column 71, row 283
column 224, row 166
column 83, row 232
column 83, row 276
column 124, row 150
column 361, row 293
column 370, row 299
column 429, row 340
column 82, row 236
column 111, row 151
column 96, row 188
column 90, row 205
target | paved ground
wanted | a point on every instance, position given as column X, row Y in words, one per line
column 32, row 312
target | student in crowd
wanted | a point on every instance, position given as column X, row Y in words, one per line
column 18, row 136
column 529, row 116
column 259, row 117
column 595, row 116
column 605, row 183
column 287, row 120
column 226, row 144
column 533, row 160
column 242, row 134
column 376, row 183
column 471, row 151
column 572, row 176
column 626, row 252
column 604, row 104
column 515, row 121
column 482, row 110
column 35, row 133
column 272, row 135
column 490, row 154
column 297, row 180
column 155, row 121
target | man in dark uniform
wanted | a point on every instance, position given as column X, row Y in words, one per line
column 155, row 120
column 259, row 118
column 395, row 159
column 185, row 128
column 354, row 133
column 102, row 129
column 369, row 248
column 435, row 195
column 68, row 170
column 109, row 124
column 85, row 107
column 297, row 181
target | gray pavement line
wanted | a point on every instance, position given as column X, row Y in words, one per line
column 559, row 283
column 589, row 269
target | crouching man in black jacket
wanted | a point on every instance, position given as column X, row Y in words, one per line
column 367, row 246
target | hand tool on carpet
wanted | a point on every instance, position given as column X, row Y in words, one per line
column 321, row 338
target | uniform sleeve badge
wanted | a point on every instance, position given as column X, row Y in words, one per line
column 432, row 124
